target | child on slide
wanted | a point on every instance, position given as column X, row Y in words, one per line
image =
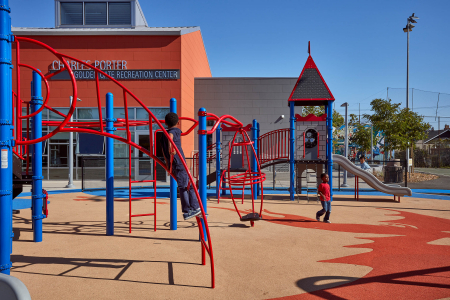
column 324, row 192
column 189, row 202
column 365, row 166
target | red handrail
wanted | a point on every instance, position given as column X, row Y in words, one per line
column 274, row 145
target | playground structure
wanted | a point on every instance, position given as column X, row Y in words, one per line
column 105, row 127
column 306, row 146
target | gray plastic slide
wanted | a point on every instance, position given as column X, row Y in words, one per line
column 371, row 180
column 11, row 288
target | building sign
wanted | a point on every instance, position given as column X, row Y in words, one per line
column 117, row 69
column 119, row 75
column 100, row 64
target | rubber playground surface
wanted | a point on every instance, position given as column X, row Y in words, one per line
column 374, row 248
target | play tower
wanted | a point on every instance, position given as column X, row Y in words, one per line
column 311, row 140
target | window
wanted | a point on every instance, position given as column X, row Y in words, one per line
column 119, row 13
column 72, row 13
column 95, row 13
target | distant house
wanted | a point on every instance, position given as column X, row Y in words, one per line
column 434, row 136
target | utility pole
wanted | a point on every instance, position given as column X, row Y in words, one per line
column 344, row 184
column 359, row 105
column 407, row 29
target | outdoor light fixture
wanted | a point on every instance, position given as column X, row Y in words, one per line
column 409, row 26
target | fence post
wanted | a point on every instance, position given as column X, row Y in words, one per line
column 36, row 195
column 406, row 172
column 173, row 182
column 82, row 174
column 274, row 176
column 339, row 178
column 110, row 165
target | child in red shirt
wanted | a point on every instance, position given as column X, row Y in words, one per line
column 324, row 192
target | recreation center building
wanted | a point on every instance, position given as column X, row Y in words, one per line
column 155, row 63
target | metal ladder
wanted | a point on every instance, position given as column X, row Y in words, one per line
column 130, row 190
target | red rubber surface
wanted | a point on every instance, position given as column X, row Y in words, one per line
column 404, row 266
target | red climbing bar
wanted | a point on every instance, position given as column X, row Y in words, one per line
column 66, row 126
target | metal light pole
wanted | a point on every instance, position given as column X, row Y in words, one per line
column 70, row 184
column 371, row 142
column 407, row 29
column 345, row 142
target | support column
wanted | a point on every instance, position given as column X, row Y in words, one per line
column 173, row 182
column 70, row 183
column 255, row 145
column 36, row 126
column 292, row 151
column 329, row 109
column 258, row 186
column 218, row 158
column 6, row 139
column 110, row 164
column 202, row 161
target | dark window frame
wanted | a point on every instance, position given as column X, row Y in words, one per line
column 91, row 23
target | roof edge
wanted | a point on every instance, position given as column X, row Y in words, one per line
column 27, row 31
column 436, row 136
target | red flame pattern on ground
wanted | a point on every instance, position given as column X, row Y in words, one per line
column 404, row 266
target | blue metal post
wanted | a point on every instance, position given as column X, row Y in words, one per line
column 218, row 158
column 6, row 139
column 255, row 145
column 110, row 165
column 202, row 160
column 292, row 151
column 173, row 182
column 330, row 145
column 258, row 186
column 36, row 125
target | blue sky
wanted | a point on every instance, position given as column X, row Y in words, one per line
column 359, row 46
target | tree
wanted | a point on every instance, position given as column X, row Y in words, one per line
column 353, row 120
column 401, row 127
column 338, row 119
column 315, row 110
column 361, row 137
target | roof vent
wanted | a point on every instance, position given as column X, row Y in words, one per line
column 99, row 14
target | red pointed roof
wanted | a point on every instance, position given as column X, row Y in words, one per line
column 310, row 89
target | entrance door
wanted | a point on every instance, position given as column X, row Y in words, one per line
column 143, row 164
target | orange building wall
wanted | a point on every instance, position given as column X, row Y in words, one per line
column 185, row 52
column 140, row 52
column 194, row 63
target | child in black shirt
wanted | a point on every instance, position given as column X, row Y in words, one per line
column 189, row 202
